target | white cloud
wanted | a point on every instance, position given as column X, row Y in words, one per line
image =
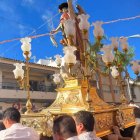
column 47, row 18
column 11, row 19
column 22, row 30
column 28, row 1
column 10, row 16
column 7, row 9
column 25, row 30
column 4, row 7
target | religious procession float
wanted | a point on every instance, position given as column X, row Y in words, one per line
column 80, row 66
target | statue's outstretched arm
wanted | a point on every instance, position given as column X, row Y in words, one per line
column 57, row 29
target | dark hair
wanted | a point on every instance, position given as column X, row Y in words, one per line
column 136, row 133
column 63, row 5
column 56, row 125
column 86, row 118
column 12, row 114
column 64, row 125
column 2, row 127
column 131, row 101
column 45, row 138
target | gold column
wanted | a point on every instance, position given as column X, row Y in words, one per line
column 27, row 85
column 122, row 90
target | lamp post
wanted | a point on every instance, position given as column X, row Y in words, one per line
column 69, row 57
column 84, row 27
column 22, row 79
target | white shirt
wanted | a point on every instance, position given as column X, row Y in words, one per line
column 134, row 105
column 19, row 132
column 73, row 138
column 88, row 136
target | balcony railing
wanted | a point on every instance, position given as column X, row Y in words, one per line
column 14, row 86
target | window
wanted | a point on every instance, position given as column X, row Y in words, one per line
column 116, row 91
column 133, row 92
column 34, row 85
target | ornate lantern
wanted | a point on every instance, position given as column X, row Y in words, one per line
column 26, row 46
column 124, row 44
column 58, row 60
column 56, row 78
column 98, row 30
column 84, row 24
column 114, row 72
column 115, row 43
column 69, row 57
column 18, row 71
column 136, row 67
column 108, row 56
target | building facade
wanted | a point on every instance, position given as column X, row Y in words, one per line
column 135, row 90
column 42, row 88
column 109, row 88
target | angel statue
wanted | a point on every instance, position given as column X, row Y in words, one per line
column 63, row 8
column 68, row 12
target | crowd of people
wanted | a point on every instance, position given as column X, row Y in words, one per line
column 80, row 126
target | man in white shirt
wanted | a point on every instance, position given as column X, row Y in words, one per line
column 14, row 130
column 85, row 125
column 131, row 103
column 64, row 128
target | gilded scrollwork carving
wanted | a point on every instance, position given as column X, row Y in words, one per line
column 104, row 121
column 60, row 100
column 129, row 116
column 42, row 123
column 120, row 118
column 71, row 99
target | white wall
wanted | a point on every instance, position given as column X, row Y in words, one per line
column 0, row 78
column 20, row 94
column 137, row 93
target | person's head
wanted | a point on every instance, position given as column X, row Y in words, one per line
column 56, row 128
column 136, row 133
column 10, row 116
column 131, row 102
column 65, row 126
column 45, row 138
column 84, row 121
column 2, row 127
column 63, row 7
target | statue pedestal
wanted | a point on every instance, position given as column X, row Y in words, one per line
column 71, row 99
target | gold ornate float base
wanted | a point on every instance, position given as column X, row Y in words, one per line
column 71, row 99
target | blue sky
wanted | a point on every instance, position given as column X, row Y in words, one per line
column 19, row 18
